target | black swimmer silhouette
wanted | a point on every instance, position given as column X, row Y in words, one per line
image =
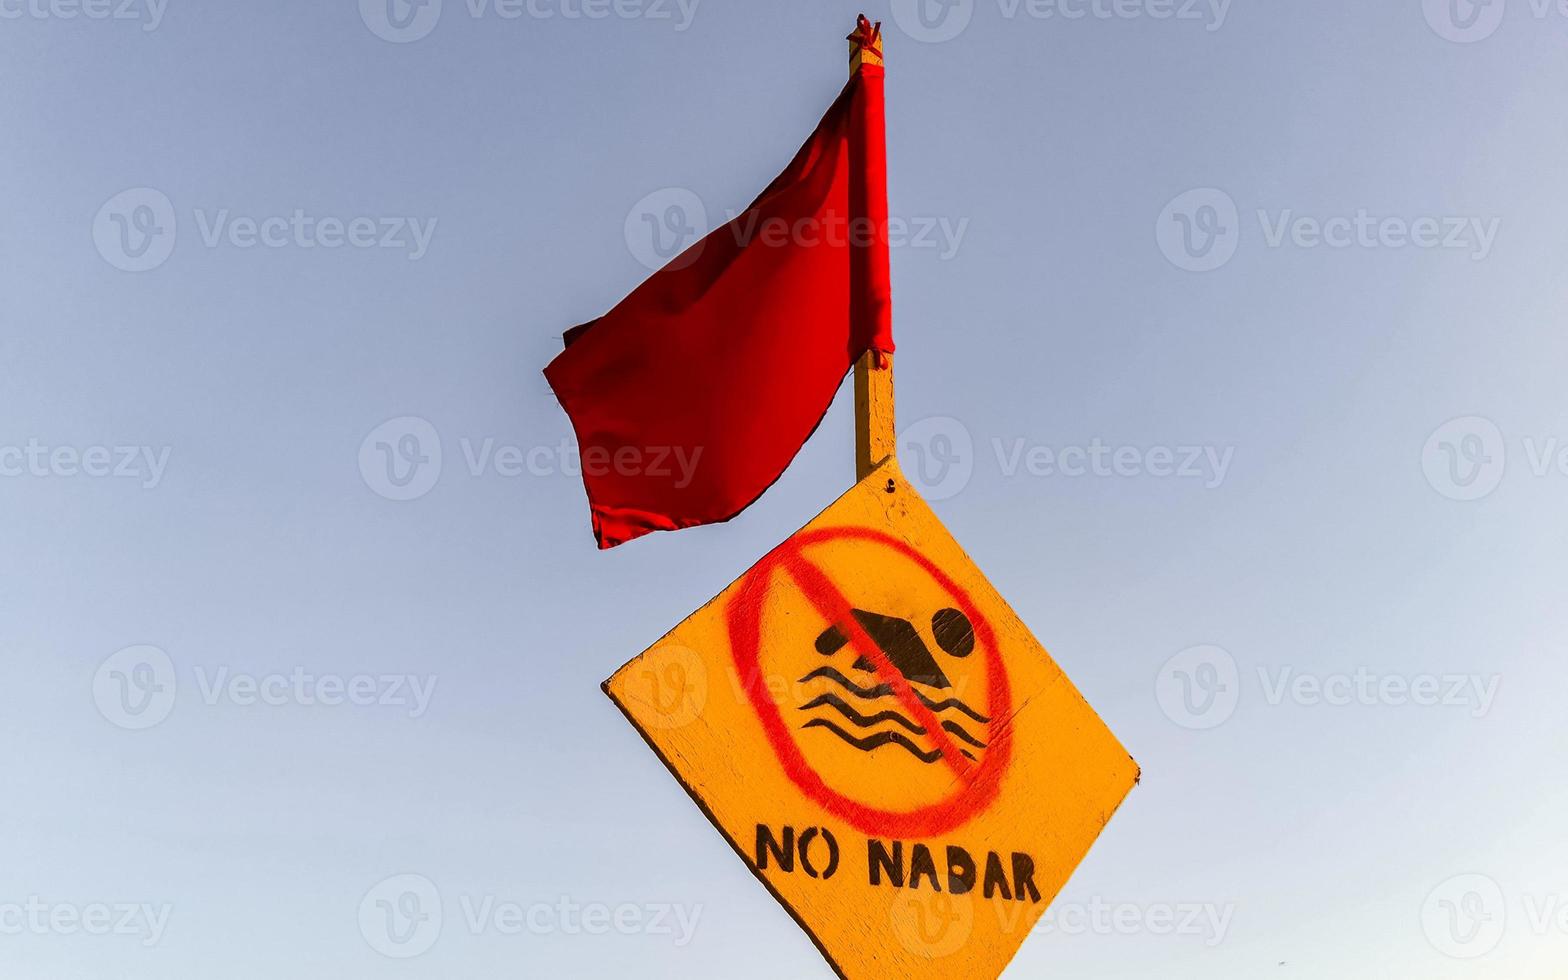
column 903, row 646
column 901, row 643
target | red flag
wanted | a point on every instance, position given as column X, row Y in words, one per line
column 692, row 395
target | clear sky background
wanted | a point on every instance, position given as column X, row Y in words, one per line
column 1355, row 535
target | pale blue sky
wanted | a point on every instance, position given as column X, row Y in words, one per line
column 242, row 390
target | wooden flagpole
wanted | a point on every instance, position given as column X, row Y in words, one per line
column 875, row 438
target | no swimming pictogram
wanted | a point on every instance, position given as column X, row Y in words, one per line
column 882, row 740
column 902, row 697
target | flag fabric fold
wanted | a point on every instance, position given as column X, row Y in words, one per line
column 693, row 394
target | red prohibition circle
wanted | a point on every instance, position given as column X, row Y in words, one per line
column 976, row 786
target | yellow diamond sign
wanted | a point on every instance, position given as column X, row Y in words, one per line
column 883, row 741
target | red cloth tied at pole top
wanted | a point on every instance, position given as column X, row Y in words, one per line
column 691, row 397
column 868, row 36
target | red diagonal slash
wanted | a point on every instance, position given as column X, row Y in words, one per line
column 975, row 787
column 835, row 607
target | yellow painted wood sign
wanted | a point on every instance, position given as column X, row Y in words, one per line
column 883, row 741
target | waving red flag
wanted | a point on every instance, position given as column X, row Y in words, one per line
column 692, row 395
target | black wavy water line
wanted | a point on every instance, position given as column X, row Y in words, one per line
column 958, row 730
column 883, row 690
column 875, row 741
column 860, row 720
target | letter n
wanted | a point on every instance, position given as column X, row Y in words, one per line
column 784, row 853
column 880, row 861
